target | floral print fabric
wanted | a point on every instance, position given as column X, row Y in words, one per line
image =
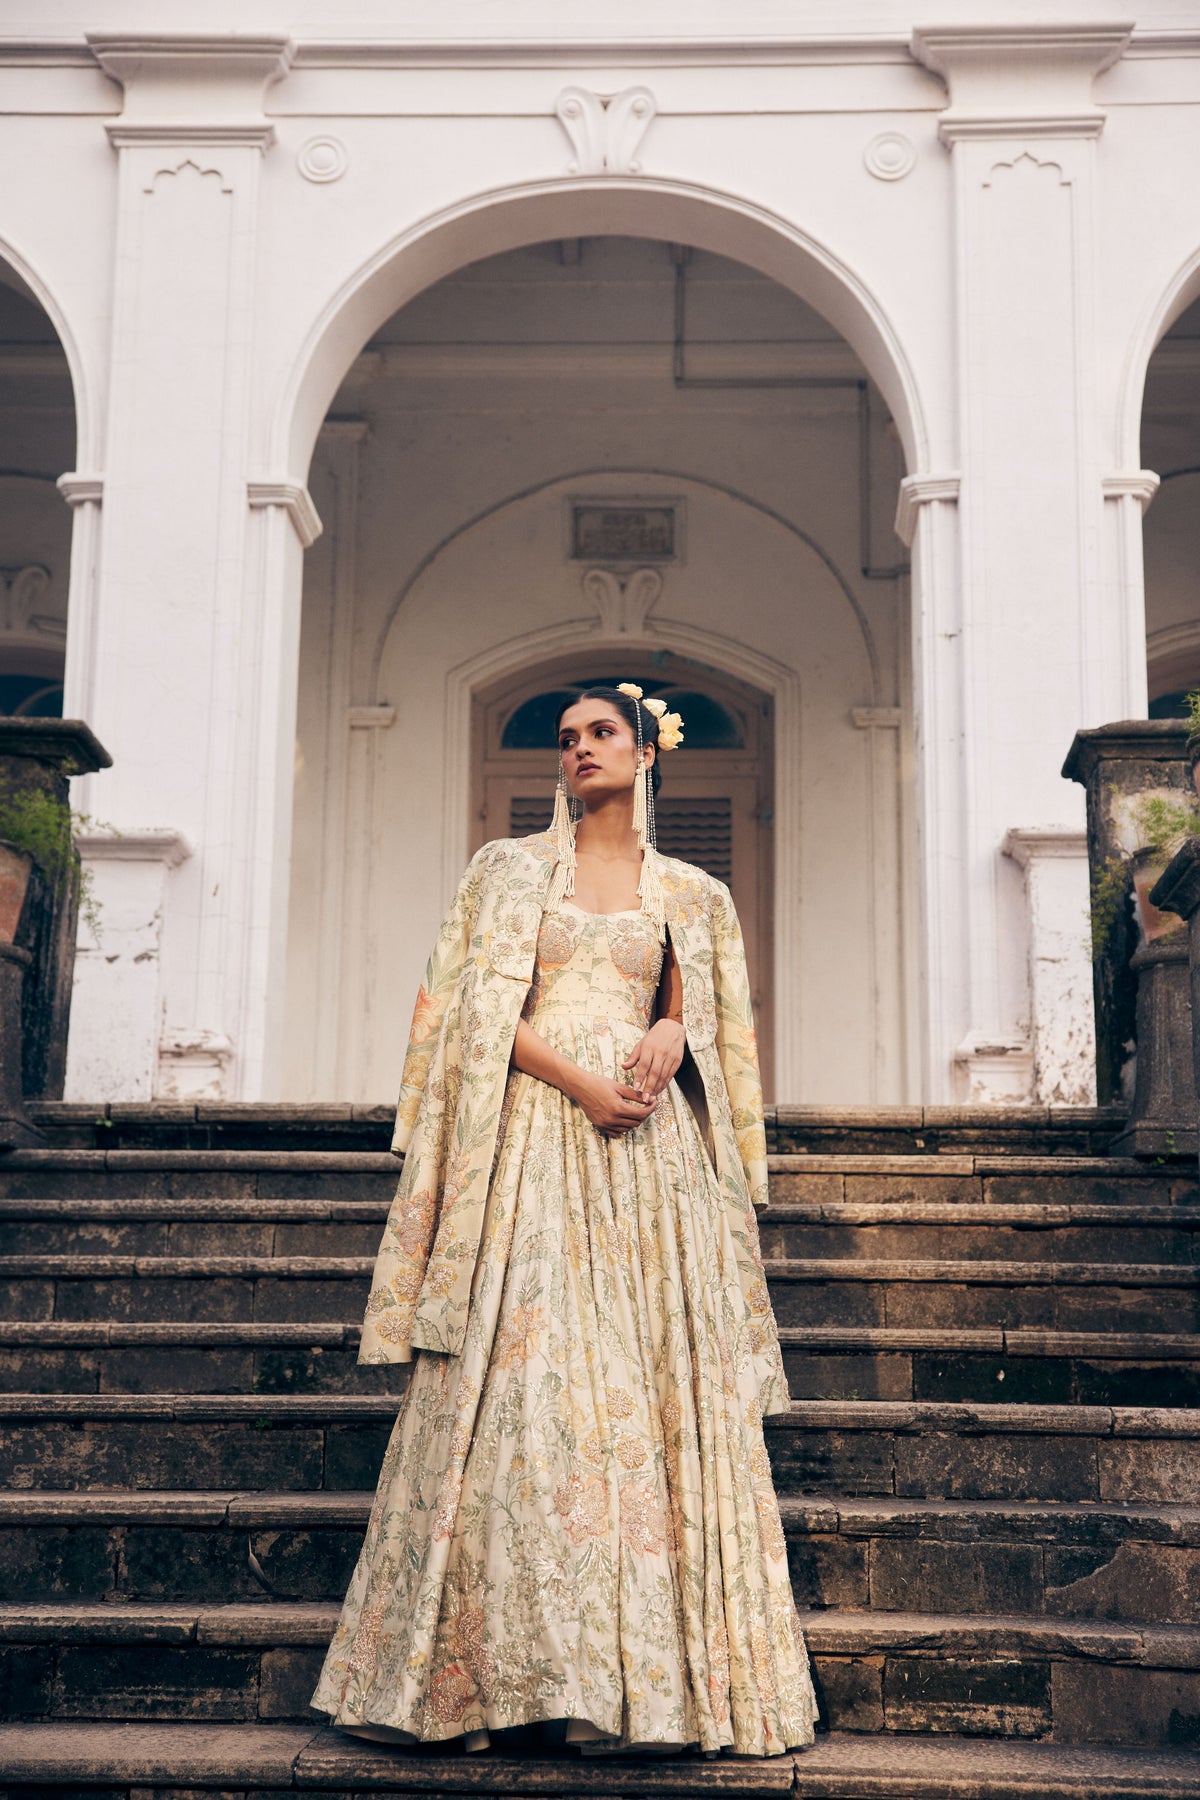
column 575, row 1516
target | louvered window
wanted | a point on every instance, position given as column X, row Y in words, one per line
column 698, row 831
column 529, row 813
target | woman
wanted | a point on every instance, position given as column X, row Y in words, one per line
column 575, row 1519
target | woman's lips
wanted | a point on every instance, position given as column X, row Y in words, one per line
column 588, row 769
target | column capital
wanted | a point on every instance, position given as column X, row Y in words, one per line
column 191, row 90
column 79, row 490
column 1028, row 843
column 1136, row 484
column 1020, row 81
column 917, row 491
column 296, row 501
column 149, row 844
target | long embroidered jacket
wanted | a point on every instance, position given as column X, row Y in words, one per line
column 453, row 1083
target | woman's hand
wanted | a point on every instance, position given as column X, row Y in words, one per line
column 653, row 1061
column 612, row 1107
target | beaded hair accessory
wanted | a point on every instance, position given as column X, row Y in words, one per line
column 565, row 817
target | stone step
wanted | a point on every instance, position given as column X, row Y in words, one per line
column 128, row 1760
column 848, row 1447
column 341, row 1125
column 1105, row 1230
column 89, row 1356
column 1030, row 1367
column 972, row 1557
column 912, row 1292
column 978, row 1179
column 923, row 1130
column 196, row 1357
column 997, row 1676
column 198, row 1174
column 1115, row 1231
column 979, row 1176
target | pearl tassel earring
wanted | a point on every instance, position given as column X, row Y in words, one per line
column 650, row 889
column 562, row 882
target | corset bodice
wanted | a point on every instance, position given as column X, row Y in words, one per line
column 599, row 965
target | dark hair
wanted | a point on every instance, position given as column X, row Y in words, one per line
column 629, row 710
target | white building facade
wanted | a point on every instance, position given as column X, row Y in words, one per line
column 366, row 382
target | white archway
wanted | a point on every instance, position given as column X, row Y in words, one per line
column 33, row 287
column 1167, row 301
column 488, row 223
column 839, row 870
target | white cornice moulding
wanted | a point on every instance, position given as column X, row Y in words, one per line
column 1025, row 842
column 192, row 80
column 1139, row 484
column 917, row 491
column 957, row 128
column 1020, row 80
column 296, row 501
column 75, row 52
column 371, row 718
column 152, row 844
column 193, row 56
column 79, row 490
column 597, row 52
column 185, row 134
column 1096, row 46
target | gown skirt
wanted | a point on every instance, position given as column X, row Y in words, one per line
column 575, row 1518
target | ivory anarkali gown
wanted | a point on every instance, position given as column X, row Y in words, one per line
column 575, row 1516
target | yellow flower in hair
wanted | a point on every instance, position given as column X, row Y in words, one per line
column 657, row 707
column 670, row 731
column 630, row 689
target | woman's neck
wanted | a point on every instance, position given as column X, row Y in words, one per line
column 606, row 832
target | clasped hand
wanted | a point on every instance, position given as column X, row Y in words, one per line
column 615, row 1107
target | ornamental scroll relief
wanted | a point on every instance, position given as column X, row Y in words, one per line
column 605, row 134
column 622, row 603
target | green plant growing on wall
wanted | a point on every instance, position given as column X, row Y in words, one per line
column 1192, row 702
column 1162, row 825
column 34, row 821
column 45, row 827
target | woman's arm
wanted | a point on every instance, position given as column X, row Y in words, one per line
column 655, row 1060
column 612, row 1107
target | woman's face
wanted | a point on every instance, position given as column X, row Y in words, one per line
column 598, row 750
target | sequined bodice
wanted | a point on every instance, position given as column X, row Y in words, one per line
column 599, row 965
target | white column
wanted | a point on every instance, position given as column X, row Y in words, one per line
column 190, row 675
column 1126, row 498
column 927, row 520
column 890, row 1076
column 359, row 1021
column 1042, row 641
column 1062, row 1024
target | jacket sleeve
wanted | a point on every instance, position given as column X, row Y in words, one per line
column 442, row 973
column 737, row 1045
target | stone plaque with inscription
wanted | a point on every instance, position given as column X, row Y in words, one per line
column 623, row 533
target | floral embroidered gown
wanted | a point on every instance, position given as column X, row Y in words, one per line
column 575, row 1517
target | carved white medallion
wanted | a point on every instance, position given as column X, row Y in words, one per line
column 322, row 159
column 605, row 134
column 890, row 156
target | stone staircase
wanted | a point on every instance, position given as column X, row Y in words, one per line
column 990, row 1477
